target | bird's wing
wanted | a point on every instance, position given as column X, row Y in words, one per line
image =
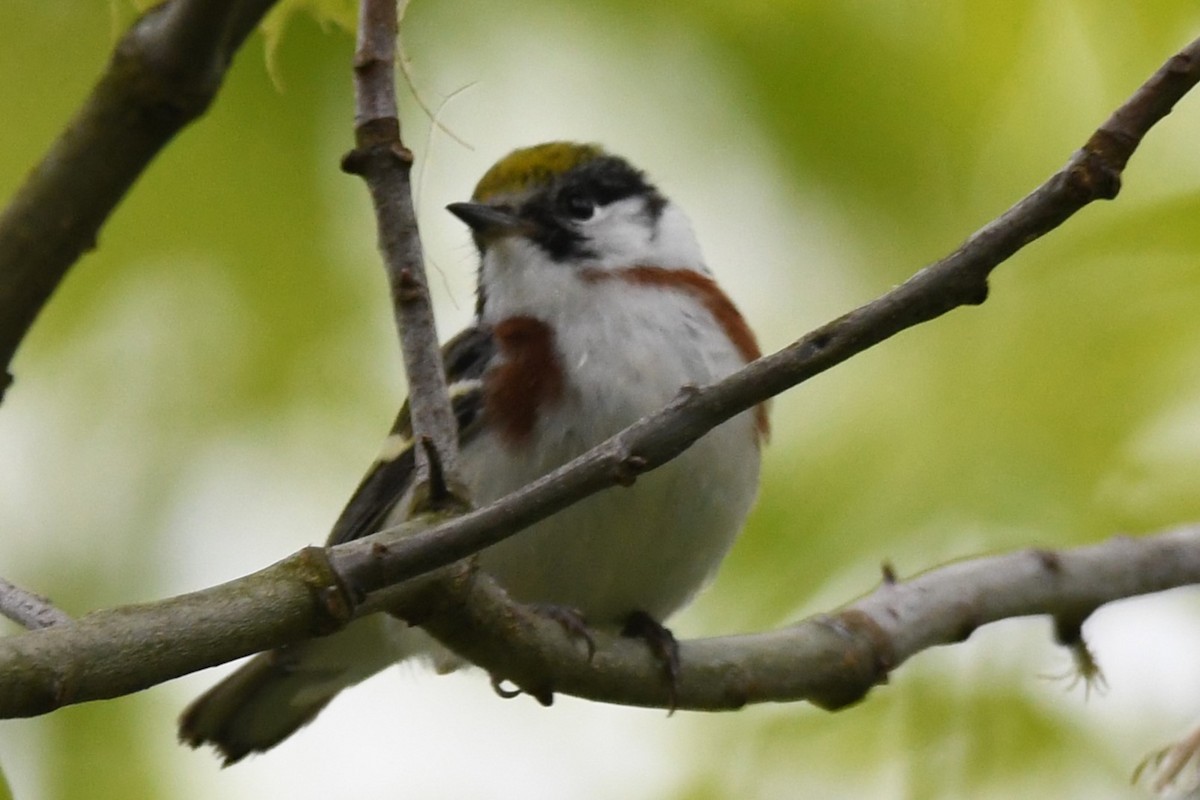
column 465, row 358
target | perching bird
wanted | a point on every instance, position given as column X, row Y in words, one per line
column 594, row 309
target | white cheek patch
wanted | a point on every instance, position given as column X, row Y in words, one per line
column 626, row 234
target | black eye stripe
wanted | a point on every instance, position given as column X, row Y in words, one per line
column 558, row 208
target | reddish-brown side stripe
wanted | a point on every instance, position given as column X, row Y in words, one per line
column 704, row 289
column 527, row 376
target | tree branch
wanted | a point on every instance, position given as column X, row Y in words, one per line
column 123, row 650
column 831, row 660
column 164, row 73
column 385, row 164
column 1092, row 173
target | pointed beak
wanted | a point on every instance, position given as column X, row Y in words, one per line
column 488, row 222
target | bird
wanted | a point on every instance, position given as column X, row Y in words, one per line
column 594, row 308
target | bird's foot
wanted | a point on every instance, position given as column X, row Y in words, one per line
column 663, row 645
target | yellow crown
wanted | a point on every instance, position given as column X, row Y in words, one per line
column 533, row 167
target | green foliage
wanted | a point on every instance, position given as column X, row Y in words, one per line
column 200, row 395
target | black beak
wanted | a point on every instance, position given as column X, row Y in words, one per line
column 487, row 221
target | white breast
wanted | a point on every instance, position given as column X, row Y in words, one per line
column 626, row 351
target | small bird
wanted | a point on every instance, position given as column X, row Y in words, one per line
column 594, row 308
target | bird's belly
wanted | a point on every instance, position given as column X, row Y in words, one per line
column 651, row 546
column 648, row 547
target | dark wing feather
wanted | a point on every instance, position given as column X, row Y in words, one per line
column 465, row 358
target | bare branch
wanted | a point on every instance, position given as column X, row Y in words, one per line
column 123, row 650
column 831, row 660
column 164, row 73
column 29, row 609
column 1092, row 173
column 382, row 160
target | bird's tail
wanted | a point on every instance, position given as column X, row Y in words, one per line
column 276, row 693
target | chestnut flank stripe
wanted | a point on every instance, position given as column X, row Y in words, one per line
column 704, row 289
column 527, row 376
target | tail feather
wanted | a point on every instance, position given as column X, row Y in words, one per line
column 255, row 708
column 278, row 692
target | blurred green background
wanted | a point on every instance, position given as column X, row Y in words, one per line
column 202, row 394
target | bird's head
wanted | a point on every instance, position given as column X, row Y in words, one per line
column 562, row 209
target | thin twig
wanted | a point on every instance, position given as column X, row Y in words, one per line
column 1092, row 173
column 28, row 609
column 382, row 160
column 406, row 69
column 1164, row 768
column 164, row 73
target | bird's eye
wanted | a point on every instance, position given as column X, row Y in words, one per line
column 577, row 205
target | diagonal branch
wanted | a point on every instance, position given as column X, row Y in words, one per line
column 164, row 73
column 1092, row 173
